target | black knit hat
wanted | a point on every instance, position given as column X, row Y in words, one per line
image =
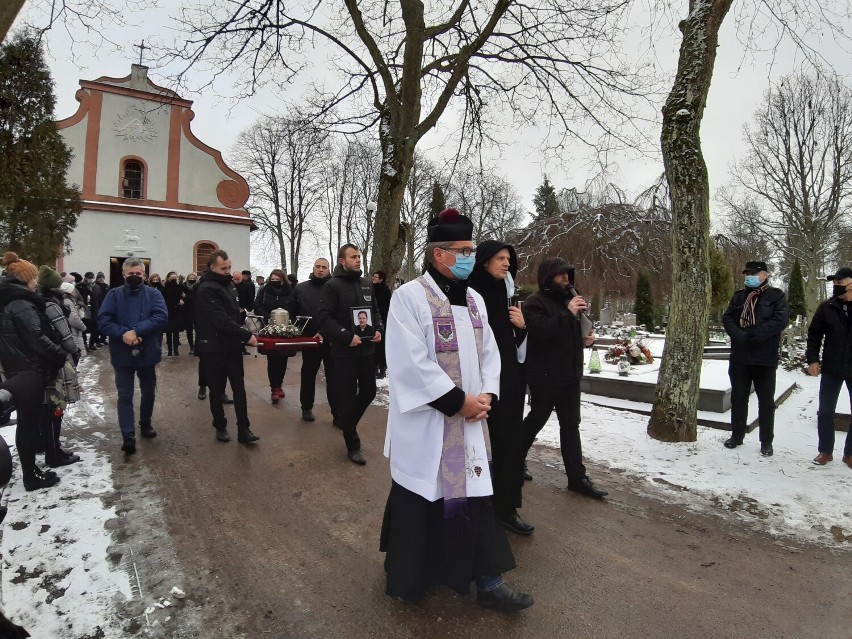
column 449, row 226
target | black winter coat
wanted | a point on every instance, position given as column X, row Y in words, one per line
column 218, row 325
column 26, row 337
column 305, row 302
column 555, row 342
column 269, row 298
column 245, row 294
column 758, row 345
column 831, row 328
column 173, row 294
column 346, row 290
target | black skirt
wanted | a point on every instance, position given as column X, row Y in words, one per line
column 422, row 548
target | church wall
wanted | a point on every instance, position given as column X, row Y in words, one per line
column 133, row 127
column 167, row 242
column 75, row 139
column 199, row 176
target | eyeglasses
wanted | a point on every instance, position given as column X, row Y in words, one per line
column 467, row 251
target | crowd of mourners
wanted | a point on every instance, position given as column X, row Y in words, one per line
column 462, row 355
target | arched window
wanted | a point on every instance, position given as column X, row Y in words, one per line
column 132, row 179
column 203, row 251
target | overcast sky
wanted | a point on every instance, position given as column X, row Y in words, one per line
column 739, row 83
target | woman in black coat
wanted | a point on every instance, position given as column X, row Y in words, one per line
column 272, row 295
column 493, row 278
column 188, row 288
column 173, row 294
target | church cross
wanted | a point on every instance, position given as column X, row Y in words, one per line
column 141, row 48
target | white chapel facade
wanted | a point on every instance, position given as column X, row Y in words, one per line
column 150, row 188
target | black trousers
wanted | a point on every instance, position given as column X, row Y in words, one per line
column 173, row 341
column 217, row 369
column 354, row 390
column 276, row 368
column 189, row 325
column 28, row 393
column 381, row 359
column 742, row 376
column 311, row 360
column 566, row 400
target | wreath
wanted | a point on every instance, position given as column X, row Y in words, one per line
column 279, row 330
column 637, row 352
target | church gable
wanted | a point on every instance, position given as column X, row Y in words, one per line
column 135, row 152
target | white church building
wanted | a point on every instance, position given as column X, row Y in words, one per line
column 150, row 188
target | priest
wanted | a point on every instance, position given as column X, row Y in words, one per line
column 439, row 524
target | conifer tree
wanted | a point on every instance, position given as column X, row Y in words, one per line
column 38, row 210
column 438, row 202
column 796, row 292
column 545, row 200
column 644, row 306
column 721, row 279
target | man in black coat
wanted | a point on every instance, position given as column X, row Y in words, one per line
column 831, row 331
column 383, row 296
column 755, row 319
column 220, row 340
column 493, row 278
column 305, row 302
column 354, row 358
column 554, row 365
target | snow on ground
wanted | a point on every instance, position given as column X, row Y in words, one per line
column 57, row 580
column 786, row 493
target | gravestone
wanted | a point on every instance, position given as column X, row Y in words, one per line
column 606, row 316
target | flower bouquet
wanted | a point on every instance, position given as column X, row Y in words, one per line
column 283, row 340
column 636, row 352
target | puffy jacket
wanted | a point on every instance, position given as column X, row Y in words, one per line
column 831, row 329
column 345, row 291
column 268, row 299
column 758, row 345
column 26, row 342
column 218, row 325
column 305, row 302
column 554, row 340
column 143, row 311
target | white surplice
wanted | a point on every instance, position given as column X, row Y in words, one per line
column 415, row 432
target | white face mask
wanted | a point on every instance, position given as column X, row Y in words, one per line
column 510, row 285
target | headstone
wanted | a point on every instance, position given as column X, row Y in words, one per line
column 606, row 316
column 630, row 319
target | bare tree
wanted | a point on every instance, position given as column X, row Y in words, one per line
column 488, row 199
column 403, row 64
column 283, row 161
column 415, row 211
column 796, row 174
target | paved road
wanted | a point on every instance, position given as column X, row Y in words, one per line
column 281, row 540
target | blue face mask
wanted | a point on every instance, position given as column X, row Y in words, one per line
column 463, row 266
column 510, row 285
column 752, row 281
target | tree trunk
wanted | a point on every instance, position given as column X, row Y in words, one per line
column 673, row 417
column 8, row 11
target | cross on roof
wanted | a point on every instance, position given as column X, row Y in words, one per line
column 141, row 48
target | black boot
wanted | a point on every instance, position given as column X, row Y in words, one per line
column 245, row 436
column 586, row 487
column 38, row 479
column 504, row 599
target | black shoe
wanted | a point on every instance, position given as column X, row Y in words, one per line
column 357, row 457
column 64, row 459
column 517, row 525
column 766, row 450
column 380, row 374
column 733, row 442
column 40, row 479
column 202, row 392
column 7, row 402
column 129, row 445
column 147, row 431
column 586, row 487
column 504, row 599
column 245, row 436
column 226, row 399
column 527, row 475
column 222, row 435
column 308, row 415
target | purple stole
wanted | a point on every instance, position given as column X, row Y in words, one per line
column 454, row 466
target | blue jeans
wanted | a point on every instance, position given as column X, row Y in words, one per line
column 124, row 384
column 829, row 391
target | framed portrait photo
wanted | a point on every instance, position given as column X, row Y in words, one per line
column 362, row 322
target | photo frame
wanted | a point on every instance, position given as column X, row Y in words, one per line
column 362, row 322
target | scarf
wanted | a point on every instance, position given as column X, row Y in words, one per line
column 454, row 464
column 748, row 316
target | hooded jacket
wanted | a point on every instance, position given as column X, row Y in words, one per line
column 338, row 298
column 305, row 301
column 554, row 340
column 831, row 329
column 26, row 342
column 218, row 322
